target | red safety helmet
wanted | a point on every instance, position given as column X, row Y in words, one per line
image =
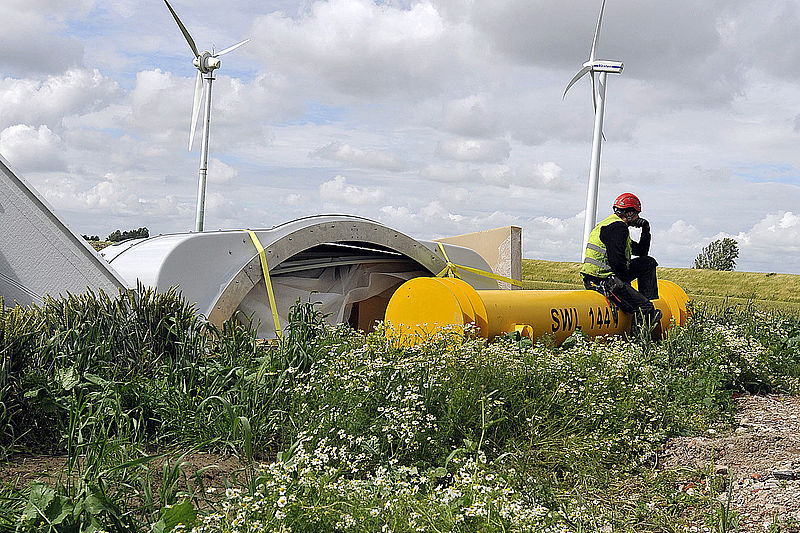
column 628, row 201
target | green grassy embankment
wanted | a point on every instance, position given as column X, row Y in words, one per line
column 770, row 291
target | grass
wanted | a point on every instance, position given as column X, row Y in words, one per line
column 777, row 292
column 340, row 431
column 99, row 245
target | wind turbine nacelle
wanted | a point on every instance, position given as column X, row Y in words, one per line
column 206, row 62
column 603, row 65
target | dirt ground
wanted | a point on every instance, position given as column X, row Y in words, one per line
column 200, row 470
column 760, row 455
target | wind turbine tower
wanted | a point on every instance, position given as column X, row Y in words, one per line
column 603, row 67
column 206, row 63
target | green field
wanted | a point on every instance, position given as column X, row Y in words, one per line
column 774, row 292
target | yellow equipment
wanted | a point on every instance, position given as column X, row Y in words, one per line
column 421, row 307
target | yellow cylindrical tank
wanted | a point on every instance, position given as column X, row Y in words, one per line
column 422, row 307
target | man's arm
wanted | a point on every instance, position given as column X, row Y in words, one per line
column 641, row 248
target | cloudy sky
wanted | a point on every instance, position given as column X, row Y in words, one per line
column 434, row 117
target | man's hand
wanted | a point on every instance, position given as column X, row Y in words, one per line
column 641, row 223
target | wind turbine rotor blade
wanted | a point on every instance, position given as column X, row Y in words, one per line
column 596, row 30
column 601, row 89
column 198, row 97
column 231, row 48
column 582, row 72
column 183, row 30
column 594, row 92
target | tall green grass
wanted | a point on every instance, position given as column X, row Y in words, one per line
column 340, row 431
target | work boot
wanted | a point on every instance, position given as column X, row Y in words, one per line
column 645, row 323
column 655, row 319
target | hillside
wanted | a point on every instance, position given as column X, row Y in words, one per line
column 777, row 292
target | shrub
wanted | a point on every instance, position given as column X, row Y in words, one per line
column 119, row 236
column 719, row 255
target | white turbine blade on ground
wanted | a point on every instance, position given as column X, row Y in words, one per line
column 231, row 48
column 596, row 30
column 198, row 98
column 183, row 30
column 578, row 76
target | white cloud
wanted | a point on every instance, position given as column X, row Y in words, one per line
column 48, row 101
column 456, row 173
column 397, row 214
column 776, row 236
column 435, row 214
column 413, row 220
column 161, row 104
column 50, row 50
column 337, row 191
column 456, row 195
column 107, row 196
column 219, row 172
column 775, row 32
column 110, row 195
column 113, row 198
column 345, row 153
column 633, row 31
column 361, row 47
column 677, row 245
column 681, row 233
column 553, row 238
column 474, row 150
column 221, row 204
column 548, row 175
column 293, row 199
column 498, row 175
column 35, row 149
column 469, row 117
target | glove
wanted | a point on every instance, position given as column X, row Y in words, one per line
column 641, row 223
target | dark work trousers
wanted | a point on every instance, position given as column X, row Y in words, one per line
column 643, row 269
column 619, row 291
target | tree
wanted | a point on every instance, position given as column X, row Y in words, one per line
column 119, row 236
column 719, row 255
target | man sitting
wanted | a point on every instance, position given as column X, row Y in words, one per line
column 609, row 269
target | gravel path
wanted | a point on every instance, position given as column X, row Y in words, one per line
column 760, row 455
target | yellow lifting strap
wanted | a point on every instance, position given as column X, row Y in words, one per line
column 451, row 270
column 267, row 281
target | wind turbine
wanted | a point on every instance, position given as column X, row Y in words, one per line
column 206, row 63
column 603, row 67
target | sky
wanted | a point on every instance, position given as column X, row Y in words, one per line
column 433, row 117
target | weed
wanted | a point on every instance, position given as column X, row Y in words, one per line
column 298, row 345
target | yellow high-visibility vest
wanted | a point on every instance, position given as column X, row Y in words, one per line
column 595, row 258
